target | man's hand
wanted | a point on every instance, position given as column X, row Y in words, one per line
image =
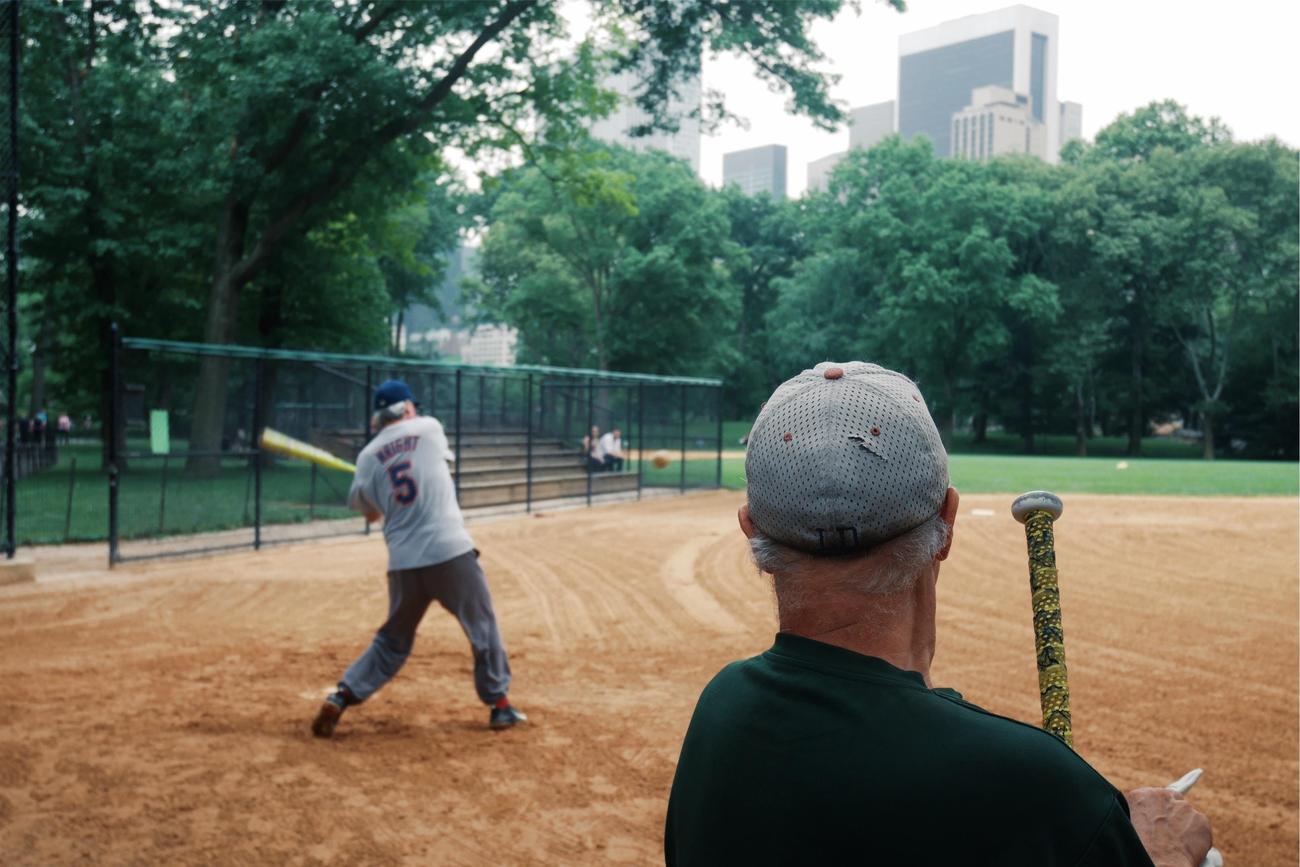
column 1174, row 833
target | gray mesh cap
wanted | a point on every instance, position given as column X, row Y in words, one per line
column 843, row 457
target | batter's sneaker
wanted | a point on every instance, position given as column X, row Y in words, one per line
column 505, row 717
column 331, row 710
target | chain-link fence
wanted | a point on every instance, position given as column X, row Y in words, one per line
column 27, row 457
column 186, row 473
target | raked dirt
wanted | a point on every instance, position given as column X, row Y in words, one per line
column 159, row 714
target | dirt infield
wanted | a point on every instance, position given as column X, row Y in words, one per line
column 159, row 714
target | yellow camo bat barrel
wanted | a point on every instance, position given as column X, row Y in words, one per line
column 1037, row 510
column 274, row 441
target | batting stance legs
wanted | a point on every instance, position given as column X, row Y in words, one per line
column 460, row 587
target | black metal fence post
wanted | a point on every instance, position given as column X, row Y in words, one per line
column 717, row 401
column 162, row 499
column 72, row 490
column 459, row 430
column 311, row 503
column 586, row 435
column 541, row 412
column 114, row 476
column 11, row 262
column 259, row 413
column 682, row 488
column 365, row 424
column 528, row 448
column 640, row 436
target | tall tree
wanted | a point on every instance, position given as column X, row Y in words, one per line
column 1239, row 253
column 912, row 266
column 113, row 195
column 768, row 240
column 1132, row 227
column 611, row 259
column 292, row 101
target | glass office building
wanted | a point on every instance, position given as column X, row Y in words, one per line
column 939, row 68
column 756, row 170
column 683, row 143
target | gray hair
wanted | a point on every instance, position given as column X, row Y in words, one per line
column 894, row 565
column 389, row 414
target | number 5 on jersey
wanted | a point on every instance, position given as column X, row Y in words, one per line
column 404, row 490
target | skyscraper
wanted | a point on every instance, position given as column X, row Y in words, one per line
column 939, row 67
column 819, row 171
column 756, row 170
column 684, row 143
column 868, row 124
column 997, row 121
column 1071, row 121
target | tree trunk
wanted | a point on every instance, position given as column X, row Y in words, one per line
column 1136, row 418
column 397, row 332
column 1080, row 421
column 209, row 418
column 1027, row 411
column 1207, row 435
column 1092, row 403
column 39, row 360
column 980, row 426
column 948, row 420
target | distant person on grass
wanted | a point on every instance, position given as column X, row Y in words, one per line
column 834, row 747
column 609, row 451
column 402, row 475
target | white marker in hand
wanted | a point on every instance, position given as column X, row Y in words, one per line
column 1182, row 786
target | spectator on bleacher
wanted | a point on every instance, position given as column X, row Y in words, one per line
column 591, row 450
column 610, row 451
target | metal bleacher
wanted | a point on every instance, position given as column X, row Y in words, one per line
column 498, row 467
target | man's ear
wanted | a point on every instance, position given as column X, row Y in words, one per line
column 746, row 525
column 948, row 512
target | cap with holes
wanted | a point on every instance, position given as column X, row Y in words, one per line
column 843, row 457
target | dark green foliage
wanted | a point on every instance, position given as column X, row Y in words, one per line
column 610, row 259
column 271, row 172
column 278, row 173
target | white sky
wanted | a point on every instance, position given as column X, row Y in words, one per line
column 1237, row 60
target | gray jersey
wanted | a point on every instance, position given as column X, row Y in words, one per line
column 403, row 474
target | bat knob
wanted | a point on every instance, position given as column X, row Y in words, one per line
column 1036, row 501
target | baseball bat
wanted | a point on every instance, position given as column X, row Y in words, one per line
column 1182, row 786
column 1037, row 510
column 274, row 441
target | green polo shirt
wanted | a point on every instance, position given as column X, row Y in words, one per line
column 813, row 754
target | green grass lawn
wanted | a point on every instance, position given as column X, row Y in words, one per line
column 159, row 498
column 997, row 474
column 225, row 501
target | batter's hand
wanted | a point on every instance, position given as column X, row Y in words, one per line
column 1174, row 832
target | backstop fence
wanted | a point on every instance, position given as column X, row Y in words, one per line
column 185, row 473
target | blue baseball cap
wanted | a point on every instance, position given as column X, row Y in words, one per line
column 391, row 392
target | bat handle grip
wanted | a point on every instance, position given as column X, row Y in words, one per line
column 1182, row 786
column 1037, row 514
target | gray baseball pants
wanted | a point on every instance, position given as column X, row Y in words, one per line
column 460, row 587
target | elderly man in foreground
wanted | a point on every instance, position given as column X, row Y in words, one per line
column 833, row 747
